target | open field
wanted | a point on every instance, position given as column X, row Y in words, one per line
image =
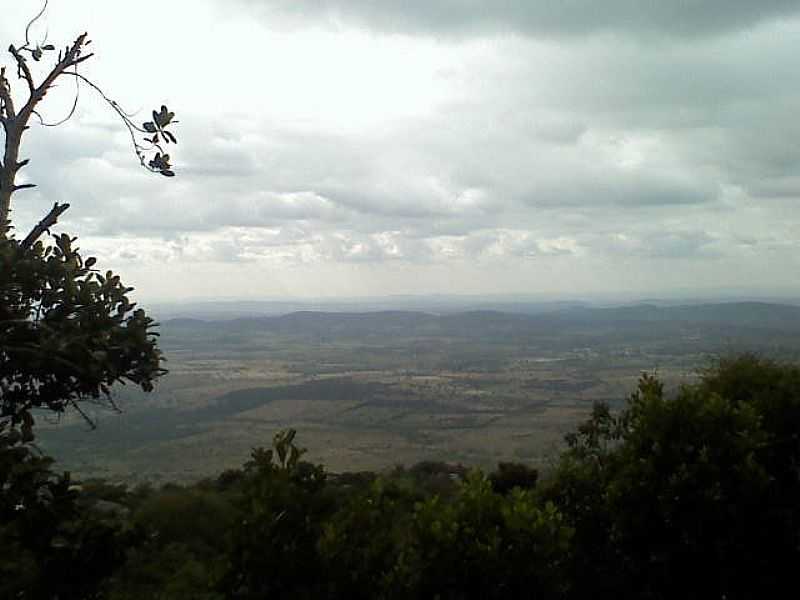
column 375, row 390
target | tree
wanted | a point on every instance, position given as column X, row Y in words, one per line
column 50, row 546
column 275, row 543
column 693, row 495
column 15, row 118
column 68, row 332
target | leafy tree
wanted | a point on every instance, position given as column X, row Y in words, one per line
column 693, row 495
column 49, row 546
column 364, row 544
column 484, row 545
column 182, row 546
column 68, row 332
column 282, row 507
column 15, row 116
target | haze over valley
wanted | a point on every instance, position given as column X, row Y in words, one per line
column 373, row 389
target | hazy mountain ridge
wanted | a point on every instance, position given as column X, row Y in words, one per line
column 747, row 315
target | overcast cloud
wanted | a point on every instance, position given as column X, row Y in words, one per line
column 369, row 147
column 676, row 18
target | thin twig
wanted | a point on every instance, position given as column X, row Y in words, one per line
column 71, row 111
column 92, row 425
column 31, row 22
column 71, row 58
column 126, row 120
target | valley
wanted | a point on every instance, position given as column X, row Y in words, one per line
column 372, row 390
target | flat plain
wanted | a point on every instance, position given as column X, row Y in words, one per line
column 369, row 391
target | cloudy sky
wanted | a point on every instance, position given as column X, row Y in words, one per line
column 370, row 147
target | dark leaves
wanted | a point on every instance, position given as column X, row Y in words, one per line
column 38, row 52
column 67, row 333
column 161, row 164
column 163, row 117
column 158, row 128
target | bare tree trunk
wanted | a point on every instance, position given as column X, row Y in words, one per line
column 8, row 172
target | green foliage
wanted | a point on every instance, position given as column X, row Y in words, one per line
column 182, row 549
column 511, row 475
column 68, row 332
column 390, row 538
column 364, row 545
column 67, row 335
column 157, row 128
column 173, row 572
column 49, row 546
column 693, row 495
column 282, row 506
column 690, row 495
column 484, row 545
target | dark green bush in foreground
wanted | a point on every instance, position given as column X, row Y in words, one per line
column 693, row 495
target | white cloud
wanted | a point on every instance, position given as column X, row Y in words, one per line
column 404, row 147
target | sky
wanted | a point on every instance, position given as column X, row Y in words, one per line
column 341, row 148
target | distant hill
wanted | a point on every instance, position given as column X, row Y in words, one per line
column 755, row 314
column 729, row 320
column 230, row 310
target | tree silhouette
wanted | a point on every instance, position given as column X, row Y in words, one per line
column 148, row 139
column 68, row 332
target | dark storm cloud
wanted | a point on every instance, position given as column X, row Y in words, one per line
column 679, row 18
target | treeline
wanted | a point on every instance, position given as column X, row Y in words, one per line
column 690, row 495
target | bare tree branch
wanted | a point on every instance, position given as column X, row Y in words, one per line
column 71, row 112
column 150, row 137
column 92, row 425
column 23, row 69
column 15, row 123
column 132, row 127
column 49, row 220
column 71, row 57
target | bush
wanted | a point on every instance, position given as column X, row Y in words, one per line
column 692, row 496
column 510, row 475
column 50, row 547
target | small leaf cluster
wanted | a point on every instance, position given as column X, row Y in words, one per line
column 157, row 128
column 38, row 52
